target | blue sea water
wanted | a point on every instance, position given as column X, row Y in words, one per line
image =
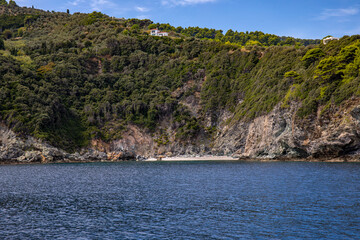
column 180, row 200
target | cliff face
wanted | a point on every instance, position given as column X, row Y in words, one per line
column 281, row 134
column 277, row 135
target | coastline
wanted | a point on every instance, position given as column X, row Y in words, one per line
column 190, row 158
column 343, row 159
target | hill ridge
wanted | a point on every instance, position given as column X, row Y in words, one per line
column 95, row 84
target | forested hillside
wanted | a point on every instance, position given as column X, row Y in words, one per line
column 69, row 78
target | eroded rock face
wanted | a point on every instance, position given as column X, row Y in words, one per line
column 271, row 136
column 279, row 134
column 134, row 142
column 11, row 147
column 16, row 149
column 30, row 156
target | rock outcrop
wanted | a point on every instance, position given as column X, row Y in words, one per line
column 17, row 149
column 281, row 134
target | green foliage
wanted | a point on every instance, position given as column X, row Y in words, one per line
column 240, row 38
column 29, row 19
column 264, row 86
column 312, row 55
column 289, row 42
column 93, row 17
column 188, row 126
column 163, row 139
column 21, row 31
column 67, row 82
column 152, row 26
column 327, row 69
column 253, row 43
column 336, row 77
column 135, row 27
column 7, row 34
column 2, row 45
column 142, row 23
column 292, row 95
column 12, row 3
column 293, row 76
column 3, row 3
column 9, row 22
column 342, row 65
column 88, row 44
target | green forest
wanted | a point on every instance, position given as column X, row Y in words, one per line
column 69, row 78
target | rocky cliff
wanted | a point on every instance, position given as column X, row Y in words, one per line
column 281, row 134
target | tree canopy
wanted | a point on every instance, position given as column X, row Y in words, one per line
column 76, row 77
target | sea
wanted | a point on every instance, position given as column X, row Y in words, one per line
column 180, row 200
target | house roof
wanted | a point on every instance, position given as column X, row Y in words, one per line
column 330, row 38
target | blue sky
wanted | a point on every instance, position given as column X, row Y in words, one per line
column 301, row 18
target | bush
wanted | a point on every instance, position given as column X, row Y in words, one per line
column 2, row 45
column 293, row 76
column 311, row 56
column 7, row 34
column 88, row 44
column 152, row 26
column 93, row 17
column 135, row 27
column 12, row 3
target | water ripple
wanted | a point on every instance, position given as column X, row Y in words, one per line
column 180, row 201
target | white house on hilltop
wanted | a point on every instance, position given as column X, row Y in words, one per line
column 328, row 39
column 156, row 32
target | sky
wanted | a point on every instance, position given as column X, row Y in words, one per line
column 301, row 18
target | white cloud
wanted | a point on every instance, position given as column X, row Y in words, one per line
column 338, row 13
column 109, row 7
column 142, row 9
column 184, row 2
column 98, row 5
column 76, row 2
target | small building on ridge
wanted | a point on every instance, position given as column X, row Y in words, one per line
column 328, row 39
column 157, row 32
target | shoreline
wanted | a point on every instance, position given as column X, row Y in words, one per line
column 352, row 159
column 344, row 159
column 188, row 159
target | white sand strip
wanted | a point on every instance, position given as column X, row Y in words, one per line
column 187, row 158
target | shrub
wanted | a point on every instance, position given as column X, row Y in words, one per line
column 2, row 45
column 292, row 75
column 93, row 17
column 7, row 34
column 311, row 56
